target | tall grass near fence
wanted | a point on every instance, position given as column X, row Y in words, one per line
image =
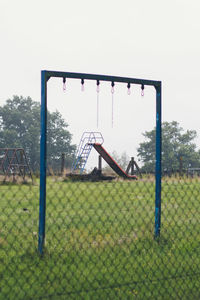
column 100, row 241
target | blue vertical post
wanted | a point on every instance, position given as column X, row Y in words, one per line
column 43, row 132
column 158, row 162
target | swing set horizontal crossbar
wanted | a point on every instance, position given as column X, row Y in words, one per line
column 49, row 74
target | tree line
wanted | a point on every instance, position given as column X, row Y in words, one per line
column 178, row 149
column 20, row 128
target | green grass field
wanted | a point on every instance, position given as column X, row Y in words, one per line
column 100, row 241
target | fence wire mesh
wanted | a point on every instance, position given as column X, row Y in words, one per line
column 100, row 240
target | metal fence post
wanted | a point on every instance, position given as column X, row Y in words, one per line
column 43, row 130
column 158, row 162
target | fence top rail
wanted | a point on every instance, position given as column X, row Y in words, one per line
column 11, row 149
column 98, row 77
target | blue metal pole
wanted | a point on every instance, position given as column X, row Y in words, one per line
column 43, row 130
column 158, row 161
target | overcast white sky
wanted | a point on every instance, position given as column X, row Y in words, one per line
column 155, row 39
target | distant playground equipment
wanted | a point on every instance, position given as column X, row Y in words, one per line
column 13, row 162
column 88, row 139
column 95, row 140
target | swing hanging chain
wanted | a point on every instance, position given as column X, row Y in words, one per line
column 112, row 91
column 112, row 109
column 82, row 85
column 142, row 90
column 64, row 84
column 98, row 83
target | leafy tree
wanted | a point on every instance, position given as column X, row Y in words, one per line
column 122, row 160
column 176, row 145
column 20, row 127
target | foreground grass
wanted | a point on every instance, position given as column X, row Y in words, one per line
column 99, row 241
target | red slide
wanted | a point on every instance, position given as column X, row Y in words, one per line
column 111, row 162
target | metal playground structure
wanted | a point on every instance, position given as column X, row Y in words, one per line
column 45, row 77
column 14, row 162
column 95, row 140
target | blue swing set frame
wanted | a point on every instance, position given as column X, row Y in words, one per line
column 45, row 76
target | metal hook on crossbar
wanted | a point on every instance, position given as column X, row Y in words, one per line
column 98, row 89
column 142, row 90
column 112, row 87
column 129, row 88
column 82, row 85
column 64, row 84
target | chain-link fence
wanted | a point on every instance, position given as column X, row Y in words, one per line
column 100, row 240
column 104, row 238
